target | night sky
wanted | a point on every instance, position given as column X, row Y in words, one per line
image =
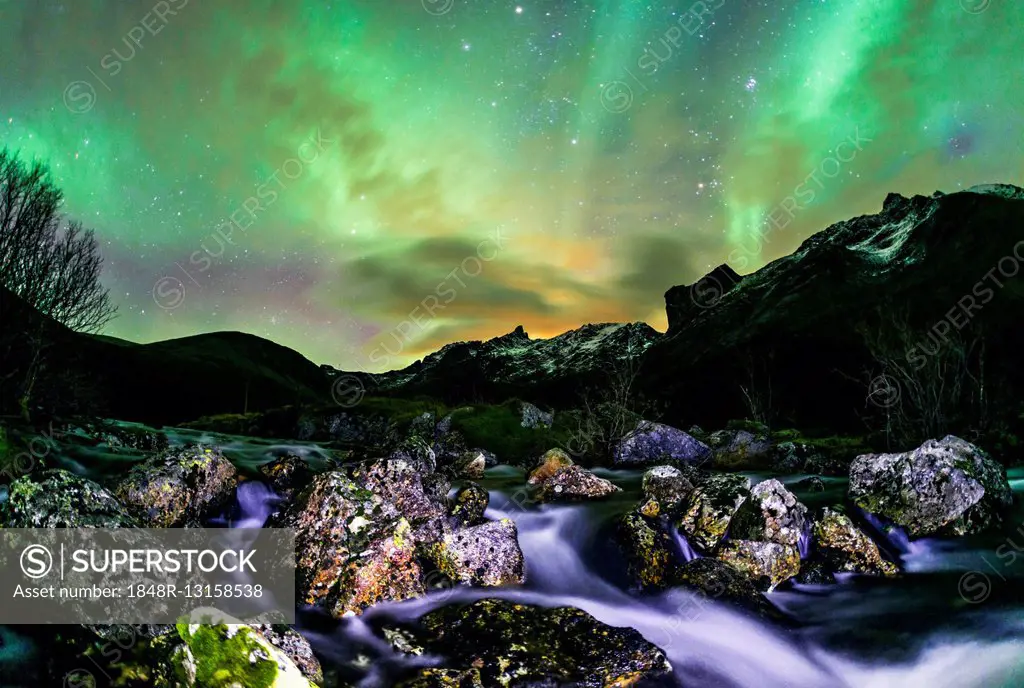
column 325, row 174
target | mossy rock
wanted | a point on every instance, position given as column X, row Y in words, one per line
column 60, row 499
column 231, row 655
column 521, row 645
column 647, row 549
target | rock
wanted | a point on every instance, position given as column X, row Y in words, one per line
column 518, row 645
column 710, row 508
column 445, row 678
column 652, row 443
column 470, row 465
column 407, row 480
column 721, row 581
column 288, row 475
column 811, row 484
column 668, row 486
column 771, row 514
column 487, row 554
column 297, row 648
column 647, row 550
column 60, row 499
column 354, row 549
column 947, row 486
column 225, row 655
column 534, row 418
column 845, row 547
column 127, row 437
column 489, row 458
column 651, row 508
column 766, row 563
column 553, row 461
column 740, row 447
column 574, row 483
column 815, row 572
column 787, row 457
column 469, row 505
column 178, row 488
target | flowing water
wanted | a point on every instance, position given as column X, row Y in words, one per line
column 955, row 618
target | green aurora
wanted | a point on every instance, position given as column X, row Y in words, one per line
column 549, row 162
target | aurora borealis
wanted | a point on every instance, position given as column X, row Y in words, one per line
column 551, row 162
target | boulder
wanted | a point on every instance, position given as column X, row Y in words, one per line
column 946, row 486
column 771, row 514
column 718, row 580
column 408, row 480
column 738, row 447
column 815, row 572
column 550, row 463
column 297, row 648
column 812, row 484
column 469, row 505
column 652, row 443
column 353, row 548
column 710, row 508
column 512, row 644
column 575, row 483
column 178, row 488
column 766, row 563
column 445, row 678
column 288, row 475
column 647, row 550
column 846, row 548
column 469, row 465
column 533, row 417
column 224, row 655
column 60, row 499
column 487, row 554
column 667, row 486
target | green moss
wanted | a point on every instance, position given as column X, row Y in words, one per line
column 228, row 656
column 499, row 430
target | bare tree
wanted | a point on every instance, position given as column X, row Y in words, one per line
column 925, row 391
column 49, row 263
column 612, row 411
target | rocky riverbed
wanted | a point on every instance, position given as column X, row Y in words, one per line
column 434, row 566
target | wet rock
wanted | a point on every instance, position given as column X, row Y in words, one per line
column 297, row 649
column 651, row 443
column 487, row 554
column 354, row 549
column 668, row 486
column 288, row 475
column 740, row 447
column 946, row 486
column 553, row 461
column 710, row 508
column 575, row 483
column 647, row 550
column 469, row 465
column 533, row 417
column 407, row 480
column 489, row 458
column 815, row 572
column 651, row 508
column 770, row 514
column 811, row 484
column 129, row 437
column 469, row 505
column 60, row 499
column 445, row 678
column 518, row 645
column 179, row 487
column 846, row 548
column 718, row 580
column 223, row 655
column 766, row 563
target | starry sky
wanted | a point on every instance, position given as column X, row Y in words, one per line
column 340, row 175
